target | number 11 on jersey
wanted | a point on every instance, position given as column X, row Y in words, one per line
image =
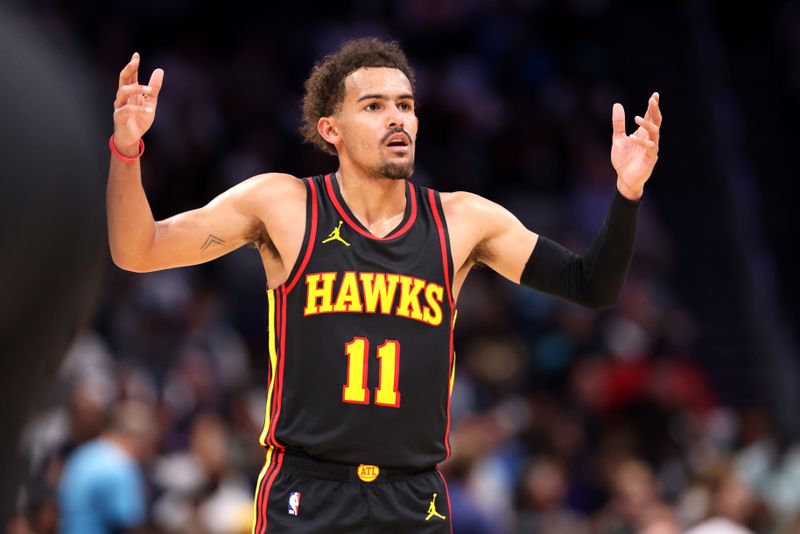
column 355, row 391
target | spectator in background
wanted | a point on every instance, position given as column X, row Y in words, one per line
column 542, row 501
column 473, row 439
column 733, row 505
column 635, row 504
column 102, row 487
column 200, row 489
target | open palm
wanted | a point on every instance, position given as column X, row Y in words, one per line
column 634, row 156
column 135, row 105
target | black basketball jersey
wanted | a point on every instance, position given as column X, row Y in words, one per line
column 360, row 337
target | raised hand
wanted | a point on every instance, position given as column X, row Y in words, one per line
column 135, row 106
column 634, row 156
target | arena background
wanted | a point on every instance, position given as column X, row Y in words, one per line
column 678, row 403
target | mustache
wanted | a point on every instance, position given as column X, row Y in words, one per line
column 397, row 131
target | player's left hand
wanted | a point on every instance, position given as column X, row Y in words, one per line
column 634, row 156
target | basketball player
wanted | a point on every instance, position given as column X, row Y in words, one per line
column 363, row 271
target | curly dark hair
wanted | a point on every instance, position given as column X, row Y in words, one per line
column 324, row 88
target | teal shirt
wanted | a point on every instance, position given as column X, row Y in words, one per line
column 101, row 490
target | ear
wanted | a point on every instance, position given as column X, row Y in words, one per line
column 326, row 127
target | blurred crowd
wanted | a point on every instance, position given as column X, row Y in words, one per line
column 564, row 420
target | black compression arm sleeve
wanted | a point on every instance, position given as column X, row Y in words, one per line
column 594, row 279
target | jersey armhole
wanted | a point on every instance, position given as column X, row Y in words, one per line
column 309, row 235
column 444, row 242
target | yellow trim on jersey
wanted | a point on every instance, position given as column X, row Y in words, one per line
column 453, row 369
column 453, row 374
column 267, row 463
column 273, row 365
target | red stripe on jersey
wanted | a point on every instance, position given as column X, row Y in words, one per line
column 280, row 317
column 281, row 359
column 357, row 228
column 312, row 236
column 449, row 393
column 447, row 493
column 258, row 526
column 443, row 244
column 265, row 504
column 277, row 388
column 411, row 217
column 446, row 267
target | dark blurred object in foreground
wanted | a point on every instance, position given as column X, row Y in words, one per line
column 51, row 223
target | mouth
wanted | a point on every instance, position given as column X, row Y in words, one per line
column 398, row 143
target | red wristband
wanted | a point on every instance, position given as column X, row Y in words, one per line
column 118, row 154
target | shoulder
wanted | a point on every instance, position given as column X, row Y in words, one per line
column 271, row 190
column 271, row 184
column 460, row 199
column 93, row 459
column 463, row 204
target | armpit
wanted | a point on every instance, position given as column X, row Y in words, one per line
column 258, row 237
column 478, row 257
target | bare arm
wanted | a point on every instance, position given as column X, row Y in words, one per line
column 137, row 241
column 140, row 244
column 593, row 278
column 501, row 241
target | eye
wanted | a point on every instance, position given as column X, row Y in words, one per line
column 373, row 106
column 404, row 106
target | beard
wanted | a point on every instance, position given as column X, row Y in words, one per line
column 393, row 170
column 396, row 171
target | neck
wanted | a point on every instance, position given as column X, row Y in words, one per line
column 378, row 203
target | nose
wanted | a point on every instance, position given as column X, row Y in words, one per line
column 395, row 117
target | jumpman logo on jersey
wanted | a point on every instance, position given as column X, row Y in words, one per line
column 432, row 509
column 334, row 235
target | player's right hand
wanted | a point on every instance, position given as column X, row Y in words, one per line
column 135, row 106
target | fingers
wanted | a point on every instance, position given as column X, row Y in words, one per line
column 127, row 91
column 130, row 92
column 156, row 81
column 618, row 120
column 653, row 111
column 649, row 126
column 128, row 75
column 644, row 143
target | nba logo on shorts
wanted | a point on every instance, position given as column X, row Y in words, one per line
column 294, row 503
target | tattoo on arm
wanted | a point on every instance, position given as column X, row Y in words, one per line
column 212, row 240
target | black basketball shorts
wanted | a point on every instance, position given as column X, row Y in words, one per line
column 296, row 494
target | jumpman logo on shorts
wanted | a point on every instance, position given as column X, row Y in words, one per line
column 432, row 509
column 334, row 235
